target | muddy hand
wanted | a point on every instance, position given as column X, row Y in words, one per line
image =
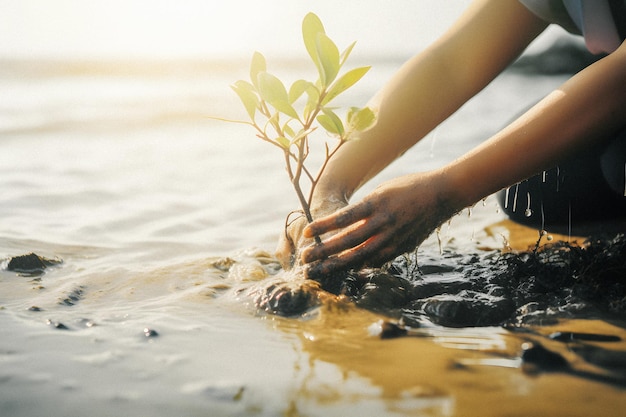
column 289, row 241
column 358, row 243
column 390, row 221
column 292, row 240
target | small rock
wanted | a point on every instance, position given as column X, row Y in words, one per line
column 150, row 333
column 57, row 325
column 391, row 331
column 30, row 263
column 536, row 358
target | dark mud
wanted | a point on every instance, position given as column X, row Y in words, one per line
column 535, row 287
column 521, row 292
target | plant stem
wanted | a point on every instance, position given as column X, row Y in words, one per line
column 295, row 181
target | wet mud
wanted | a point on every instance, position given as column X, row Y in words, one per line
column 521, row 292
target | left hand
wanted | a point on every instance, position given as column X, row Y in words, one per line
column 291, row 241
column 392, row 220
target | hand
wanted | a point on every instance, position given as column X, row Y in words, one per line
column 291, row 240
column 394, row 219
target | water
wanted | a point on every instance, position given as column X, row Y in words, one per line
column 115, row 168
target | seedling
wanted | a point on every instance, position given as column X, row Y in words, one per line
column 285, row 118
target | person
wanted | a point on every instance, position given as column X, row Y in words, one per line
column 577, row 120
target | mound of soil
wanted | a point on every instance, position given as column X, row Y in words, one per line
column 555, row 281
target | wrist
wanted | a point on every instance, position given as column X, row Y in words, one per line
column 457, row 187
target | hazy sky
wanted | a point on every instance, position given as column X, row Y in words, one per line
column 203, row 28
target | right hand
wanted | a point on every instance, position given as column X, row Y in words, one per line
column 392, row 220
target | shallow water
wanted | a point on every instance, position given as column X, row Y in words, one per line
column 116, row 170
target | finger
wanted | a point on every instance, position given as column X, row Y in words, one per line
column 349, row 238
column 338, row 220
column 353, row 258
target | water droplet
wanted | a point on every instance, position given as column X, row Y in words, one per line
column 506, row 198
column 549, row 237
column 528, row 213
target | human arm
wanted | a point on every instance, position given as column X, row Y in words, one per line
column 424, row 92
column 404, row 211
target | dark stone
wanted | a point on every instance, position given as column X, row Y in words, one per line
column 537, row 358
column 465, row 309
column 73, row 297
column 288, row 298
column 150, row 333
column 31, row 263
column 383, row 292
column 391, row 331
column 452, row 283
column 57, row 325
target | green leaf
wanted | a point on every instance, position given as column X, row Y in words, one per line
column 311, row 27
column 272, row 90
column 344, row 82
column 361, row 119
column 257, row 66
column 272, row 121
column 346, row 53
column 288, row 130
column 247, row 95
column 297, row 89
column 331, row 122
column 329, row 58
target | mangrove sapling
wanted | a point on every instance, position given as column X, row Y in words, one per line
column 285, row 118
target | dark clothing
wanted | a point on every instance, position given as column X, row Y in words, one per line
column 588, row 187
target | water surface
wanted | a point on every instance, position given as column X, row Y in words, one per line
column 115, row 169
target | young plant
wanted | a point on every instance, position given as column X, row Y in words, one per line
column 285, row 117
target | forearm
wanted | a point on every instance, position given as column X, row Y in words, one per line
column 404, row 116
column 430, row 87
column 585, row 110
